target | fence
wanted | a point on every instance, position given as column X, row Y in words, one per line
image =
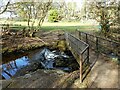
column 80, row 50
column 99, row 44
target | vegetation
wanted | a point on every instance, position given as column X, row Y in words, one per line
column 53, row 16
column 35, row 13
column 66, row 26
column 70, row 28
column 106, row 13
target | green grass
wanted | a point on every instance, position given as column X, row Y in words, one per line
column 66, row 26
column 18, row 27
column 86, row 28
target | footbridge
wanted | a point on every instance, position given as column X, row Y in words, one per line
column 81, row 43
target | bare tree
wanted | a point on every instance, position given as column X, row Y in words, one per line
column 6, row 6
column 33, row 12
column 44, row 11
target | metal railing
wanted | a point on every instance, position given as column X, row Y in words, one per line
column 80, row 51
column 99, row 44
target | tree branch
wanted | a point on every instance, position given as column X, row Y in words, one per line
column 5, row 7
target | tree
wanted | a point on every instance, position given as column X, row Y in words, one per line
column 104, row 12
column 53, row 16
column 32, row 11
column 43, row 11
column 67, row 10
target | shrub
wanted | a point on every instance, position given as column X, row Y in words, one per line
column 53, row 16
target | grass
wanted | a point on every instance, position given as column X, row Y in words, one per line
column 66, row 26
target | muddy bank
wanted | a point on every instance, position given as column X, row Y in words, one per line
column 37, row 79
column 11, row 43
column 18, row 44
column 46, row 79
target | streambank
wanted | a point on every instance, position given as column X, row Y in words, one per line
column 36, row 75
column 18, row 44
column 12, row 43
column 43, row 70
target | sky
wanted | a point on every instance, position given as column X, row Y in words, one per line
column 79, row 2
column 79, row 5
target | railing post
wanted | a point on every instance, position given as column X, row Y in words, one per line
column 66, row 37
column 88, row 55
column 81, row 59
column 79, row 35
column 97, row 48
column 86, row 39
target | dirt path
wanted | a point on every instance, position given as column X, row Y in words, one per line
column 104, row 74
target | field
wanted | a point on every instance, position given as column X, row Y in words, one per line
column 47, row 26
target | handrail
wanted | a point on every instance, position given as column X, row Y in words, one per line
column 81, row 46
column 98, row 44
column 79, row 39
column 98, row 37
column 84, row 50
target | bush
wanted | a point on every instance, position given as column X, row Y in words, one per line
column 53, row 16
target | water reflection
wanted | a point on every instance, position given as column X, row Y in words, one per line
column 46, row 58
column 10, row 69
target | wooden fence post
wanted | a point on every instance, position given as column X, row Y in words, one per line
column 81, row 67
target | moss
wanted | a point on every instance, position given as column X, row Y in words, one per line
column 61, row 45
column 19, row 46
column 4, row 50
column 11, row 50
column 26, row 47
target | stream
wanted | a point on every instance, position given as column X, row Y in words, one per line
column 46, row 58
